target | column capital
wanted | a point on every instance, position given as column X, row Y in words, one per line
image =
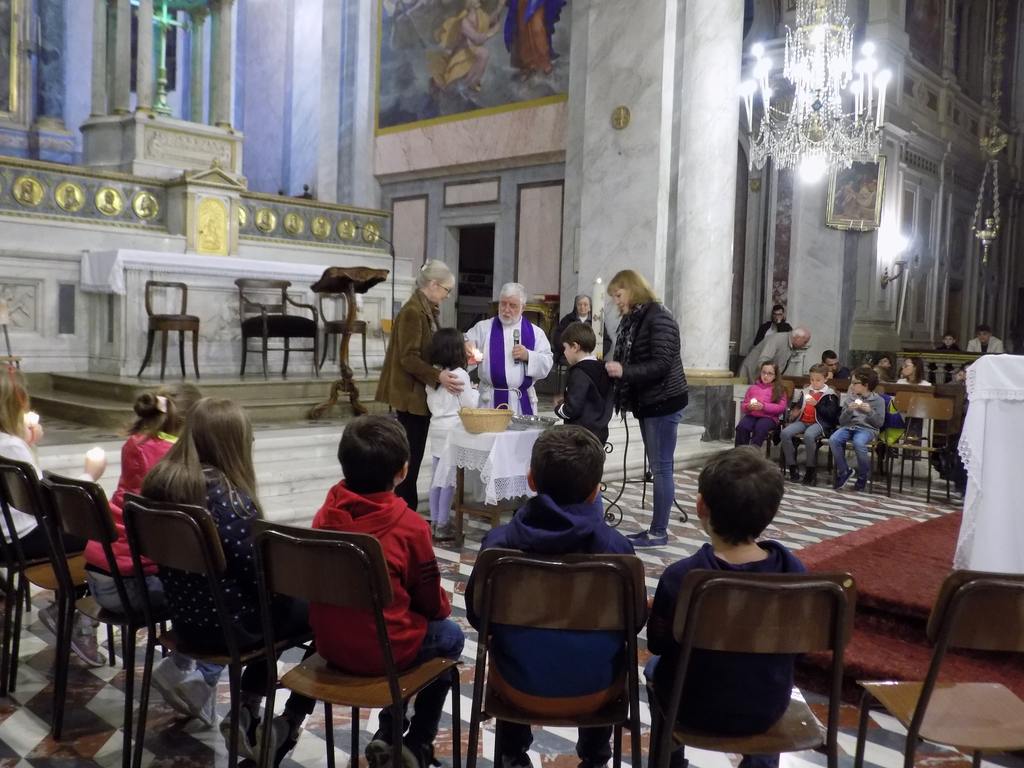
column 198, row 17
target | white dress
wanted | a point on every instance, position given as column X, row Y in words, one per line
column 444, row 410
column 537, row 367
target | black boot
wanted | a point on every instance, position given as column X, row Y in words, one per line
column 810, row 476
column 794, row 472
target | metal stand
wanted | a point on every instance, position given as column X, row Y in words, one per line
column 615, row 518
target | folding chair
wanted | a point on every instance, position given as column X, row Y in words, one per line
column 758, row 613
column 978, row 611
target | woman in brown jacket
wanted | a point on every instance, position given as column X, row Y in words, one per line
column 407, row 371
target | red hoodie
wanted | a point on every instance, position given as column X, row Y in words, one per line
column 138, row 455
column 348, row 638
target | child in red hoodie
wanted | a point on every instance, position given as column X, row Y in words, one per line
column 374, row 456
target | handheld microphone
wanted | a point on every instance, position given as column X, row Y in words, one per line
column 515, row 340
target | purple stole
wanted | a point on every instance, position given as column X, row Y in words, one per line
column 496, row 361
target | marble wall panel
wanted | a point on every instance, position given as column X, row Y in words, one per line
column 539, row 238
column 50, row 67
column 264, row 54
column 6, row 31
column 302, row 118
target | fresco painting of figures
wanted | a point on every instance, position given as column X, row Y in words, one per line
column 448, row 59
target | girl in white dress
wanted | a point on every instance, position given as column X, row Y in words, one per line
column 448, row 352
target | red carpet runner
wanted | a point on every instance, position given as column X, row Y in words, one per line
column 899, row 566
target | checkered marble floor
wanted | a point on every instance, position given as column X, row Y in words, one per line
column 95, row 699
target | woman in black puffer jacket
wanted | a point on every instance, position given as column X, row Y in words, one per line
column 648, row 364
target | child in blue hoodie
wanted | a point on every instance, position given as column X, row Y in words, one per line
column 566, row 517
column 734, row 694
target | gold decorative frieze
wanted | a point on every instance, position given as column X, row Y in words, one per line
column 266, row 220
column 145, row 206
column 346, row 229
column 294, row 224
column 213, row 227
column 321, row 228
column 28, row 191
column 109, row 201
column 69, row 196
column 243, row 217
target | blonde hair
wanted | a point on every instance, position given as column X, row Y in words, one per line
column 164, row 410
column 217, row 436
column 635, row 284
column 434, row 271
column 13, row 402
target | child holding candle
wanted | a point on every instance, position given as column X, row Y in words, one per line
column 862, row 415
column 762, row 406
column 19, row 433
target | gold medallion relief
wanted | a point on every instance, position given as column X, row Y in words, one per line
column 294, row 224
column 28, row 191
column 346, row 229
column 371, row 233
column 69, row 196
column 145, row 205
column 243, row 216
column 321, row 227
column 266, row 220
column 109, row 201
column 212, row 235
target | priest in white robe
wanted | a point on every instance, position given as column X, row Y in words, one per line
column 516, row 353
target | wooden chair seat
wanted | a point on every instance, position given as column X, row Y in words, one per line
column 175, row 322
column 798, row 729
column 317, row 679
column 268, row 318
column 968, row 716
column 498, row 707
column 172, row 642
column 43, row 576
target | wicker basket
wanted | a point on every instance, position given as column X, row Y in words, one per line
column 477, row 420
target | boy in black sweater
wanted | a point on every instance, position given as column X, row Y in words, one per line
column 588, row 399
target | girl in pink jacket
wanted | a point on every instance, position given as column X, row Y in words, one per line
column 762, row 406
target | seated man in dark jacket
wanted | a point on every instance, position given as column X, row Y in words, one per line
column 572, row 668
column 588, row 397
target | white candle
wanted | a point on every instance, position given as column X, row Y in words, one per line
column 96, row 454
column 858, row 401
column 477, row 355
column 597, row 316
column 753, row 401
column 31, row 419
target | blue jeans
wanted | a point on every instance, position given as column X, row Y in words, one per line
column 677, row 758
column 811, row 433
column 659, row 435
column 444, row 640
column 860, row 438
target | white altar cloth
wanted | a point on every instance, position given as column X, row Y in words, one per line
column 502, row 458
column 992, row 531
column 104, row 271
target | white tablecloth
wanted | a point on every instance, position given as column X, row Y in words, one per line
column 501, row 458
column 992, row 532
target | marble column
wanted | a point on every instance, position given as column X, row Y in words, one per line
column 712, row 35
column 122, row 57
column 220, row 67
column 144, row 58
column 99, row 58
column 50, row 79
column 197, row 79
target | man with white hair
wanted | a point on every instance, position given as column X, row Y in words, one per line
column 779, row 348
column 516, row 353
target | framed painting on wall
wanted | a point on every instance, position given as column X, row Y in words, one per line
column 855, row 196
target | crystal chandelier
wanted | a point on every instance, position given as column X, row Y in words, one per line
column 817, row 134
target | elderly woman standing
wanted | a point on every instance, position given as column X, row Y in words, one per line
column 581, row 313
column 407, row 372
column 651, row 383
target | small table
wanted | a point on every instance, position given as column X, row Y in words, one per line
column 502, row 458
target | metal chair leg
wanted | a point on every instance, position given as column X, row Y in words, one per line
column 65, row 626
column 147, row 676
column 329, row 736
column 235, row 684
column 163, row 353
column 355, row 735
column 128, row 655
column 149, row 352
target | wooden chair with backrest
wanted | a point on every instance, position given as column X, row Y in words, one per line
column 20, row 489
column 164, row 323
column 82, row 509
column 347, row 570
column 922, row 411
column 605, row 593
column 759, row 613
column 269, row 319
column 184, row 537
column 337, row 327
column 977, row 611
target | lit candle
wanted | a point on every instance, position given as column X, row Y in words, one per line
column 883, row 83
column 96, row 454
column 31, row 419
column 858, row 401
column 477, row 355
column 597, row 316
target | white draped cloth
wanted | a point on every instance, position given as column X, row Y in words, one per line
column 537, row 367
column 992, row 531
column 501, row 458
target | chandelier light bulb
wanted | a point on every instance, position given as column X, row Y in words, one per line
column 870, row 66
column 757, row 50
column 868, row 49
column 883, row 79
column 762, row 69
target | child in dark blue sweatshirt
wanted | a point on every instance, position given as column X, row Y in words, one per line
column 734, row 694
column 566, row 517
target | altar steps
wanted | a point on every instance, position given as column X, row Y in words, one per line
column 104, row 401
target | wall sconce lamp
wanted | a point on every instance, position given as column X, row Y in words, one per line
column 899, row 269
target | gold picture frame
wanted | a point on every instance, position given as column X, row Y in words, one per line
column 855, row 196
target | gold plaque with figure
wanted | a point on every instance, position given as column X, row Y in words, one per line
column 145, row 205
column 266, row 220
column 109, row 201
column 321, row 228
column 243, row 216
column 346, row 229
column 28, row 191
column 69, row 196
column 212, row 235
column 371, row 233
column 294, row 224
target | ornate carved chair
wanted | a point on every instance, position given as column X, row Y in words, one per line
column 270, row 319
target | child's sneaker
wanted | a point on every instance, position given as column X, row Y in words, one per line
column 444, row 533
column 794, row 472
column 166, row 678
column 198, row 696
column 83, row 643
column 810, row 477
column 841, row 478
column 522, row 760
column 281, row 740
column 861, row 484
column 248, row 746
column 378, row 755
